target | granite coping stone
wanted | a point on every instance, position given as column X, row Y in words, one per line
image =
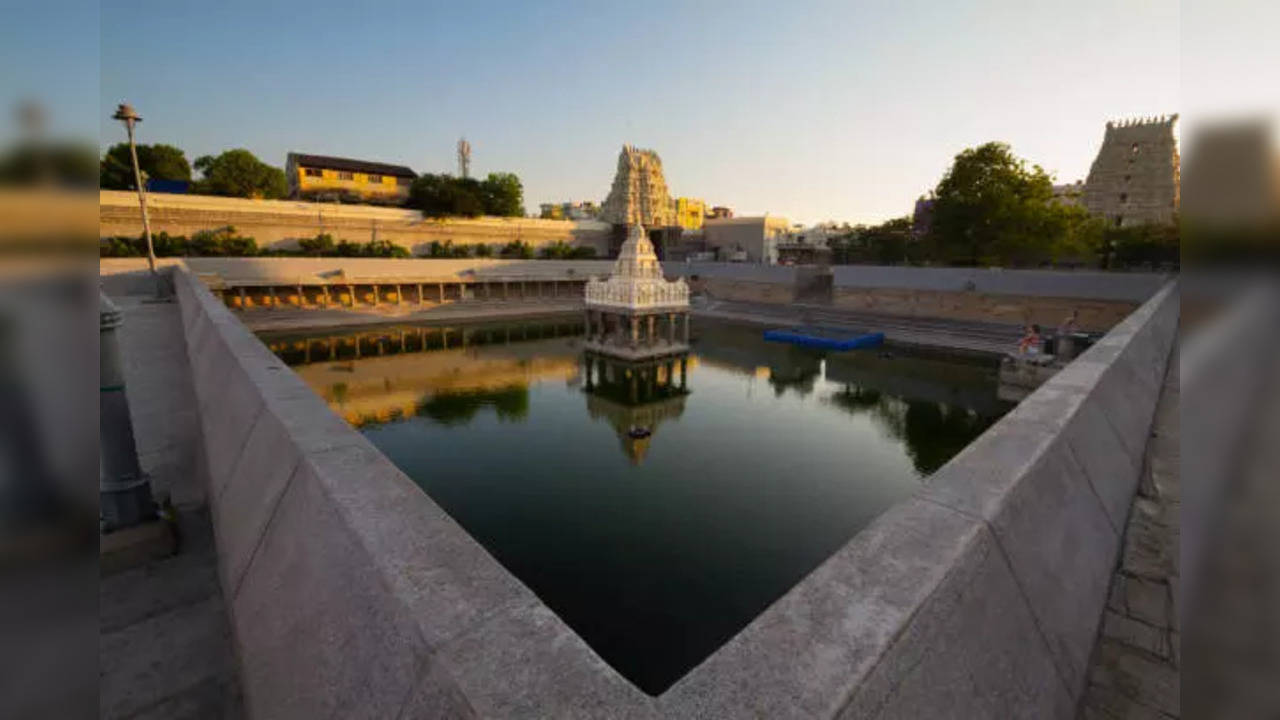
column 360, row 597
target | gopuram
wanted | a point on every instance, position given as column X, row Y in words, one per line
column 637, row 341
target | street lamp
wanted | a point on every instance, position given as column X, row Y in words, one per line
column 127, row 115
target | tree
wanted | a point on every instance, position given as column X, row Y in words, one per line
column 991, row 208
column 238, row 173
column 503, row 195
column 157, row 162
column 444, row 195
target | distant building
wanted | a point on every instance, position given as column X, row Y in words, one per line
column 690, row 213
column 720, row 212
column 1069, row 193
column 747, row 239
column 317, row 177
column 583, row 210
column 1135, row 178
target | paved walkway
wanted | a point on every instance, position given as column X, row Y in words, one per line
column 923, row 333
column 164, row 643
column 1135, row 669
column 261, row 320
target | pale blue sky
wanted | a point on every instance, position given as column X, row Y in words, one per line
column 809, row 110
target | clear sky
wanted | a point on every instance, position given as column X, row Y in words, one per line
column 810, row 110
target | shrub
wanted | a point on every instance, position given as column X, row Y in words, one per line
column 319, row 245
column 517, row 249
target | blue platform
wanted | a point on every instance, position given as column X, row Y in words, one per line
column 825, row 338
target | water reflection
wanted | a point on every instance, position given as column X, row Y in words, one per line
column 447, row 375
column 635, row 397
column 657, row 505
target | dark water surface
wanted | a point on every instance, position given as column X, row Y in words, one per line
column 657, row 549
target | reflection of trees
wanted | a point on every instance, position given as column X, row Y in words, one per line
column 458, row 407
column 932, row 432
column 798, row 371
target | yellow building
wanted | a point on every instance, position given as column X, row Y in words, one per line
column 690, row 213
column 316, row 177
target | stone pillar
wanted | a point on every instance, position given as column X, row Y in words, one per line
column 124, row 493
column 333, row 348
column 271, row 292
column 302, row 299
column 376, row 300
column 351, row 293
column 243, row 299
column 635, row 329
column 325, row 289
column 685, row 317
column 399, row 293
column 652, row 335
column 444, row 338
column 671, row 328
column 440, row 287
column 421, row 299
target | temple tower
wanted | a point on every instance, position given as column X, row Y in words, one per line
column 1135, row 178
column 639, row 193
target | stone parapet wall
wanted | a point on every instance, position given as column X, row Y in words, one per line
column 352, row 593
column 288, row 270
column 281, row 223
column 1049, row 312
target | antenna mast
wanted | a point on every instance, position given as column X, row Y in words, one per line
column 464, row 158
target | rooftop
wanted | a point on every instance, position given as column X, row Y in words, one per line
column 361, row 166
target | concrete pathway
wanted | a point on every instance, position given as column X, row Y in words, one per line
column 923, row 333
column 164, row 643
column 1135, row 669
column 260, row 320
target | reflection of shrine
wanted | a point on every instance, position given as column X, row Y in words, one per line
column 635, row 396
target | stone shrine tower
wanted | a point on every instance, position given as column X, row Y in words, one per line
column 636, row 311
column 636, row 345
column 1135, row 178
column 639, row 193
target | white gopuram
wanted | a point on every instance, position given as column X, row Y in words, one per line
column 636, row 311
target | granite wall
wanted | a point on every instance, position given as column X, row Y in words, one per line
column 353, row 594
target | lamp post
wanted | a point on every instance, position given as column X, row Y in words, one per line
column 127, row 115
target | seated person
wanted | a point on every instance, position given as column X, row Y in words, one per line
column 1030, row 342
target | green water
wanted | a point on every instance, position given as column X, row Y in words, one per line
column 657, row 549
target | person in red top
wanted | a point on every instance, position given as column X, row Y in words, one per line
column 1030, row 342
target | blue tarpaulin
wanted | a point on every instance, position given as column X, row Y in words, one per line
column 825, row 338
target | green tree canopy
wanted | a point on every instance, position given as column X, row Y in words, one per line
column 503, row 195
column 444, row 195
column 991, row 208
column 238, row 173
column 158, row 162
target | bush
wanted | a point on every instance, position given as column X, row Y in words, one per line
column 517, row 249
column 447, row 249
column 483, row 250
column 222, row 242
column 319, row 245
column 561, row 250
